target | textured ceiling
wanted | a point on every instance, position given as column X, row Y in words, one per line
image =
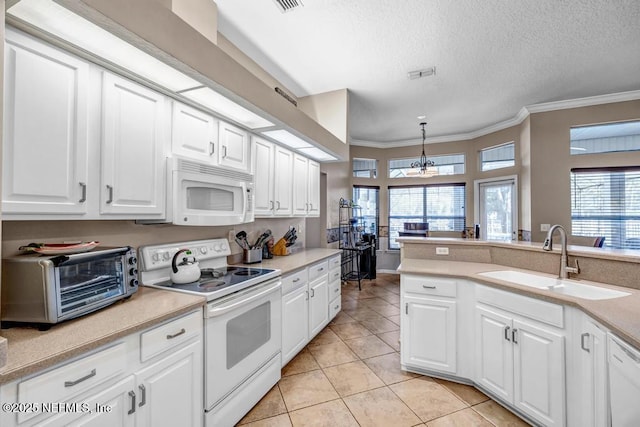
column 492, row 57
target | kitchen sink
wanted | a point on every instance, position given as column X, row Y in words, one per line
column 580, row 289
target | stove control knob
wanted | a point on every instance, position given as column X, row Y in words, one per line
column 133, row 260
column 156, row 257
column 223, row 246
column 216, row 247
column 133, row 271
column 203, row 250
column 166, row 256
column 133, row 283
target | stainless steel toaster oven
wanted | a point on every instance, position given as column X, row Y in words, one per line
column 49, row 289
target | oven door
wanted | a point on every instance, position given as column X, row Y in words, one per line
column 210, row 199
column 243, row 332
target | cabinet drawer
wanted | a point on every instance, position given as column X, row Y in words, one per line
column 334, row 289
column 317, row 270
column 542, row 311
column 334, row 276
column 169, row 335
column 334, row 262
column 60, row 384
column 334, row 307
column 429, row 285
column 294, row 281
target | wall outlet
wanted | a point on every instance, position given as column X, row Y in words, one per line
column 442, row 251
column 545, row 227
column 232, row 235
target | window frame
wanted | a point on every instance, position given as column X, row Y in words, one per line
column 375, row 170
column 481, row 163
column 432, row 157
column 425, row 204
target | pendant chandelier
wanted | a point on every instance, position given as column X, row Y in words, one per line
column 423, row 164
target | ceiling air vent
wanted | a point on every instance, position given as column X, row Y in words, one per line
column 288, row 5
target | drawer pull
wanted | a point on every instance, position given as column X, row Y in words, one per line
column 506, row 333
column 79, row 380
column 336, row 307
column 177, row 334
column 514, row 335
column 336, row 290
column 296, row 280
column 428, row 287
column 313, row 292
column 132, row 395
column 320, row 269
column 582, row 337
column 143, row 395
column 83, row 198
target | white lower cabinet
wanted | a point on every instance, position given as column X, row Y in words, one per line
column 309, row 302
column 116, row 387
column 522, row 363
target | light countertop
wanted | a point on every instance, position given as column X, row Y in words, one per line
column 287, row 264
column 30, row 350
column 621, row 315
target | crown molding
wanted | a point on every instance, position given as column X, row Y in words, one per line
column 514, row 121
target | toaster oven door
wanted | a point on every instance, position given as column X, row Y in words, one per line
column 88, row 283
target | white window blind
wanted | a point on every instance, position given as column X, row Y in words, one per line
column 606, row 202
column 442, row 206
column 365, row 168
column 607, row 138
column 501, row 156
column 450, row 164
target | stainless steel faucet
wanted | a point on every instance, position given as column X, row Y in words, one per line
column 564, row 262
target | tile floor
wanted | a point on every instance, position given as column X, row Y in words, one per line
column 349, row 375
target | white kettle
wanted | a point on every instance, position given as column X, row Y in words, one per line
column 187, row 271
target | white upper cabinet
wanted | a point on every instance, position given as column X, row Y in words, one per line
column 262, row 158
column 283, row 186
column 194, row 134
column 45, row 129
column 133, row 148
column 306, row 186
column 234, row 147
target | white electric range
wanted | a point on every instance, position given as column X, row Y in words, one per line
column 242, row 324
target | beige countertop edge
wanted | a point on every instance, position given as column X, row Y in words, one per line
column 621, row 315
column 584, row 251
column 30, row 350
column 289, row 263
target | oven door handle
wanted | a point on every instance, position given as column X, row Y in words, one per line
column 222, row 309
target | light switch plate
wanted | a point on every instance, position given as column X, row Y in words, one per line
column 442, row 251
column 545, row 227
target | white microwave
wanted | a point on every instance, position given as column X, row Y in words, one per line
column 202, row 194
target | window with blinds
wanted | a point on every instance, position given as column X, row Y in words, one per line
column 608, row 138
column 450, row 164
column 498, row 157
column 442, row 206
column 606, row 202
column 367, row 198
column 365, row 168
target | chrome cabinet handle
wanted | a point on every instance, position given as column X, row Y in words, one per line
column 320, row 269
column 83, row 198
column 336, row 307
column 177, row 334
column 110, row 190
column 582, row 337
column 79, row 380
column 132, row 395
column 307, row 297
column 306, row 207
column 271, row 202
column 296, row 280
column 336, row 290
column 428, row 287
column 406, row 308
column 514, row 335
column 212, row 148
column 143, row 397
column 224, row 151
column 313, row 293
column 277, row 205
column 506, row 333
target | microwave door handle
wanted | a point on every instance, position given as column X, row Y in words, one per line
column 246, row 201
column 222, row 309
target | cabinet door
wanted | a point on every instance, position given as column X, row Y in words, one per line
column 283, row 182
column 263, row 177
column 45, row 129
column 300, row 185
column 234, row 147
column 593, row 388
column 194, row 134
column 494, row 353
column 539, row 385
column 318, row 305
column 133, row 165
column 295, row 323
column 170, row 392
column 313, row 192
column 429, row 334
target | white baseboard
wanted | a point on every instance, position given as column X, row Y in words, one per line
column 388, row 271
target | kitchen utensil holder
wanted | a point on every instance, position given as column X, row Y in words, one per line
column 251, row 256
